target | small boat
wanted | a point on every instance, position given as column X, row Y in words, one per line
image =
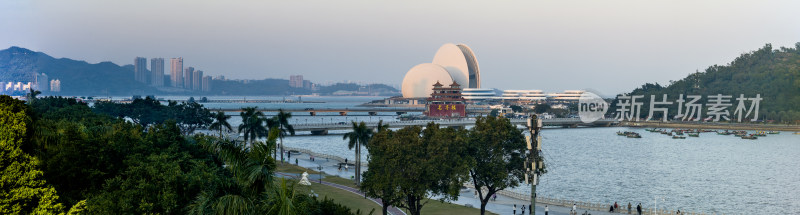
column 634, row 135
column 749, row 137
column 694, row 134
column 773, row 132
column 796, row 132
column 724, row 132
column 678, row 137
column 621, row 133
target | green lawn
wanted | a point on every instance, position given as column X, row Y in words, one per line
column 356, row 202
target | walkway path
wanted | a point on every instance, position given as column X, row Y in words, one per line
column 312, row 178
column 503, row 204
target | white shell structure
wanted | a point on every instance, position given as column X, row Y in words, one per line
column 462, row 58
column 420, row 79
column 451, row 63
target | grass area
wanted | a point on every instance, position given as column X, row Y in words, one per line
column 356, row 202
column 289, row 168
column 437, row 207
column 351, row 200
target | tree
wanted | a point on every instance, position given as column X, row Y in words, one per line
column 32, row 94
column 541, row 108
column 359, row 136
column 248, row 191
column 220, row 122
column 22, row 189
column 285, row 128
column 422, row 163
column 381, row 127
column 191, row 116
column 516, row 108
column 497, row 150
column 382, row 180
column 252, row 124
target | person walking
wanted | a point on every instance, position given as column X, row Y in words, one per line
column 522, row 209
column 514, row 208
column 629, row 207
column 639, row 208
column 546, row 210
column 616, row 207
column 574, row 209
column 529, row 210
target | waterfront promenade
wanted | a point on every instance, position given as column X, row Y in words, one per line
column 505, row 199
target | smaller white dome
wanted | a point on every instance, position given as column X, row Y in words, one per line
column 419, row 80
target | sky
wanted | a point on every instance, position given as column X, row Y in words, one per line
column 609, row 46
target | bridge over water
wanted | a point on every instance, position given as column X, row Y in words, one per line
column 323, row 128
column 372, row 111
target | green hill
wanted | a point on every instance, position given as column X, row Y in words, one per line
column 772, row 73
column 77, row 77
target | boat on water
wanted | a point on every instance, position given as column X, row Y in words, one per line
column 694, row 134
column 678, row 137
column 749, row 137
column 796, row 132
column 726, row 132
column 773, row 132
column 629, row 134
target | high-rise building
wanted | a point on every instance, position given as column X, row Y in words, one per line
column 140, row 69
column 42, row 83
column 206, row 83
column 157, row 71
column 55, row 85
column 197, row 80
column 176, row 74
column 296, row 81
column 187, row 79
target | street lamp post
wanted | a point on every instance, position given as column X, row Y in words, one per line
column 319, row 168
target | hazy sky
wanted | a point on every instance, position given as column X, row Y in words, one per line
column 610, row 46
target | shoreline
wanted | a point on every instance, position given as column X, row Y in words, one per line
column 699, row 125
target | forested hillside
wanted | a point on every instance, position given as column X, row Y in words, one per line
column 772, row 73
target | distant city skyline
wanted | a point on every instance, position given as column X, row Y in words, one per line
column 609, row 46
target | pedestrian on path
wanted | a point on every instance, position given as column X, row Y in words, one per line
column 629, row 207
column 523, row 209
column 575, row 208
column 546, row 210
column 514, row 208
column 529, row 209
column 639, row 208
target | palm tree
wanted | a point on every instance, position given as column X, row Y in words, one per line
column 360, row 135
column 272, row 124
column 220, row 122
column 381, row 126
column 282, row 120
column 252, row 124
column 252, row 169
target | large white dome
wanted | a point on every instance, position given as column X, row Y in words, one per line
column 420, row 79
column 451, row 63
column 462, row 58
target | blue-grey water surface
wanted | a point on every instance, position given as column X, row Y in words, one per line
column 712, row 173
